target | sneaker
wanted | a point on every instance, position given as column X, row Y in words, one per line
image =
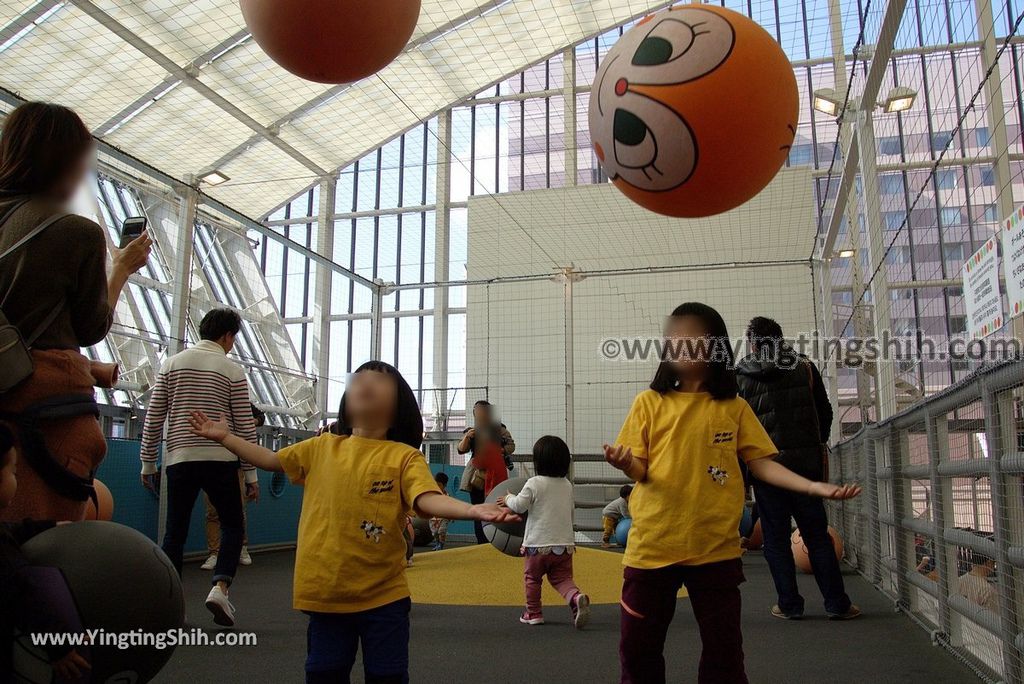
column 218, row 604
column 777, row 612
column 408, row 563
column 210, row 563
column 244, row 558
column 580, row 611
column 851, row 613
column 605, row 544
column 532, row 618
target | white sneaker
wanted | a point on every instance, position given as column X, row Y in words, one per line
column 218, row 604
column 210, row 563
column 245, row 558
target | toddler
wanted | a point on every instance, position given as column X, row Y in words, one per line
column 549, row 542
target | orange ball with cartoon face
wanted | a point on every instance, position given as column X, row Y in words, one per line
column 693, row 111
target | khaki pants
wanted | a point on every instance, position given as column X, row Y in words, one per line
column 213, row 522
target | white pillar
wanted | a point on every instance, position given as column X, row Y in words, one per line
column 885, row 376
column 569, row 114
column 321, row 323
column 181, row 269
column 441, row 257
column 998, row 141
column 376, row 317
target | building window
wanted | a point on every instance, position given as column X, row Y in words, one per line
column 953, row 251
column 950, row 216
column 988, row 175
column 893, row 219
column 946, row 179
column 982, row 137
column 800, row 155
column 899, row 254
column 991, row 213
column 957, row 324
column 890, row 144
column 890, row 183
column 941, row 140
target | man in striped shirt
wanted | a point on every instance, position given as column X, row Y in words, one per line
column 202, row 378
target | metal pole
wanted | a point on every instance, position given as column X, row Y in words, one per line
column 941, row 504
column 996, row 417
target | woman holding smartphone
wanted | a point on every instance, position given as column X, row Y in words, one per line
column 56, row 290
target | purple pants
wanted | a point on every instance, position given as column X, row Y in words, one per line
column 558, row 569
column 649, row 603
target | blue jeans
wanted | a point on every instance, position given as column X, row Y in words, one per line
column 776, row 507
column 219, row 479
column 333, row 639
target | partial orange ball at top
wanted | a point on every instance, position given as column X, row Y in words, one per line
column 693, row 111
column 331, row 41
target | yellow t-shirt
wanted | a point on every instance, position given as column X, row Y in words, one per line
column 351, row 553
column 687, row 511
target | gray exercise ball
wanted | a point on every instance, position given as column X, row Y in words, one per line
column 506, row 537
column 121, row 582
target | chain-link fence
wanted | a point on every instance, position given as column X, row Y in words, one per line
column 940, row 526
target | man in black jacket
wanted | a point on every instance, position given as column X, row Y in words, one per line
column 786, row 392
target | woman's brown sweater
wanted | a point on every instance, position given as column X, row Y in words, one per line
column 66, row 263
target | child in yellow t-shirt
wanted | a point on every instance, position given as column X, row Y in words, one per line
column 360, row 481
column 681, row 443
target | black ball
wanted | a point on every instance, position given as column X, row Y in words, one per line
column 511, row 486
column 121, row 582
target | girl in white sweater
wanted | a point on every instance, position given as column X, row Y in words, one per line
column 549, row 542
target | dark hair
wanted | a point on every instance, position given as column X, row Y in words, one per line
column 481, row 402
column 6, row 444
column 625, row 491
column 407, row 426
column 763, row 331
column 721, row 380
column 551, row 457
column 218, row 323
column 40, row 144
column 441, row 478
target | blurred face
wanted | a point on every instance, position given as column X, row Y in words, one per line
column 370, row 399
column 481, row 414
column 688, row 342
column 8, row 479
column 65, row 188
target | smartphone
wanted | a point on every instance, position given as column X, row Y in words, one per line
column 132, row 228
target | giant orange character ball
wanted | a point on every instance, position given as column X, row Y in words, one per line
column 331, row 41
column 693, row 111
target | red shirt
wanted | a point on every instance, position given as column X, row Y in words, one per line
column 491, row 460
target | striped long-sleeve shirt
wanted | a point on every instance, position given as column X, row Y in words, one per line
column 201, row 378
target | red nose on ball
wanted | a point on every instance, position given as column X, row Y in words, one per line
column 621, row 86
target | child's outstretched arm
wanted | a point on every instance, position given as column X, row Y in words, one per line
column 218, row 431
column 437, row 505
column 767, row 470
column 622, row 458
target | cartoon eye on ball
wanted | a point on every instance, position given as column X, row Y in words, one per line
column 693, row 110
